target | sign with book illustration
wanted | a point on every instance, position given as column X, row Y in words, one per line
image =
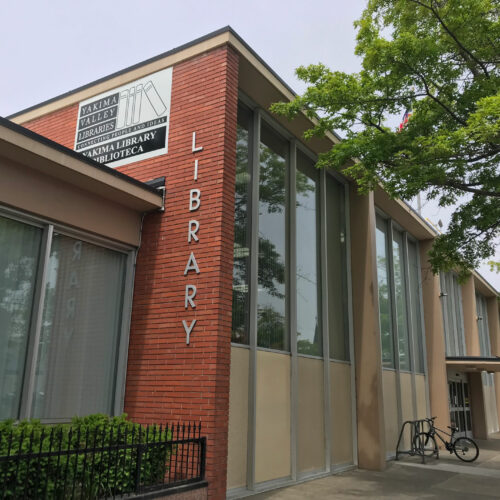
column 126, row 124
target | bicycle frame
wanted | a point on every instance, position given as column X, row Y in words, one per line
column 433, row 431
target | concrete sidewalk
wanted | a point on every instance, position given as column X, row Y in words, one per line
column 446, row 478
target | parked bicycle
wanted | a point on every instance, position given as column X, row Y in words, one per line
column 464, row 448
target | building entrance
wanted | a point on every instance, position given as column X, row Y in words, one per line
column 459, row 402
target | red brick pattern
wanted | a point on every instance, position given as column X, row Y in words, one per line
column 59, row 126
column 168, row 380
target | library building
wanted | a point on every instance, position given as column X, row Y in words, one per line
column 168, row 250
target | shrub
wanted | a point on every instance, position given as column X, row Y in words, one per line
column 89, row 457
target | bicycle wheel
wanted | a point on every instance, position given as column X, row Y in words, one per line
column 466, row 449
column 424, row 443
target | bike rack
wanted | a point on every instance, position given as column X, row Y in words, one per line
column 415, row 427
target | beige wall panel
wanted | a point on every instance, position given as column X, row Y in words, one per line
column 238, row 418
column 272, row 446
column 340, row 389
column 390, row 410
column 406, row 396
column 420, row 387
column 311, row 422
column 406, row 405
column 28, row 190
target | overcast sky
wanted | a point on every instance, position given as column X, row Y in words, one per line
column 50, row 47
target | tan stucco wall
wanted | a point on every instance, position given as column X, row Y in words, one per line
column 31, row 191
column 470, row 318
column 238, row 418
column 272, row 446
column 366, row 330
column 494, row 331
column 390, row 411
column 340, row 394
column 310, row 424
column 434, row 339
column 420, row 387
column 478, row 408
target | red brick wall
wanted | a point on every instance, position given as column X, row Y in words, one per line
column 168, row 380
column 59, row 126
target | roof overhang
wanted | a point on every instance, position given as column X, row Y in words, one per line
column 473, row 364
column 51, row 159
column 404, row 215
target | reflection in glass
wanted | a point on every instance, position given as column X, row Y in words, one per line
column 384, row 295
column 414, row 287
column 400, row 295
column 239, row 332
column 81, row 325
column 309, row 339
column 336, row 269
column 452, row 315
column 19, row 254
column 271, row 326
column 482, row 325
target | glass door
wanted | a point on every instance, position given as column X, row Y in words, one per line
column 460, row 413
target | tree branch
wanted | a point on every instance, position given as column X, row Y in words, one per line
column 466, row 187
column 452, row 35
column 433, row 97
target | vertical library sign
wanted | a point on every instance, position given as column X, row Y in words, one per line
column 126, row 124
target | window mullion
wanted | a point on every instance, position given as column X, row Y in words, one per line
column 36, row 324
column 410, row 321
column 254, row 139
column 291, row 306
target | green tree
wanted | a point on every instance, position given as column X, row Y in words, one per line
column 438, row 59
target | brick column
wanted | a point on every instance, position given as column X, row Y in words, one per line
column 369, row 395
column 434, row 340
column 168, row 380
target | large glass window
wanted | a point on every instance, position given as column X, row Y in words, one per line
column 19, row 256
column 309, row 338
column 400, row 296
column 77, row 354
column 400, row 318
column 451, row 301
column 79, row 331
column 241, row 230
column 271, row 321
column 270, row 214
column 482, row 325
column 384, row 295
column 336, row 264
column 416, row 314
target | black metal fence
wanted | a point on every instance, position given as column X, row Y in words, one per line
column 65, row 462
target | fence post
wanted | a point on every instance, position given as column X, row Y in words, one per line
column 203, row 457
column 138, row 463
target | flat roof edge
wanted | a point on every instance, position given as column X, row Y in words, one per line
column 4, row 122
column 180, row 48
column 125, row 70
